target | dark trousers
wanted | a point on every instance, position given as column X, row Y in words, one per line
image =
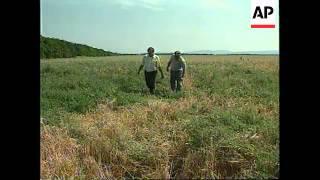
column 150, row 80
column 176, row 80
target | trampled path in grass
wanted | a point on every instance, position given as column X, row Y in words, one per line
column 225, row 124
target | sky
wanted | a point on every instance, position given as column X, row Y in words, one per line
column 131, row 26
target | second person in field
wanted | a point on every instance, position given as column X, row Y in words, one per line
column 177, row 66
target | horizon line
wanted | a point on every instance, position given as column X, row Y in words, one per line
column 186, row 52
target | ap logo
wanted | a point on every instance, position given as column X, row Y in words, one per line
column 263, row 14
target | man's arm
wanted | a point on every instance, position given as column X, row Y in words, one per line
column 184, row 68
column 141, row 66
column 160, row 69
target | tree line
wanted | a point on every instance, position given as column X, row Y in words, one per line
column 56, row 48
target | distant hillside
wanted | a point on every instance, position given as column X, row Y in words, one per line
column 56, row 48
column 257, row 52
column 210, row 52
column 233, row 52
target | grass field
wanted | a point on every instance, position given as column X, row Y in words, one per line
column 98, row 120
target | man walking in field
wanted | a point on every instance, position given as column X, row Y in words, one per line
column 177, row 66
column 151, row 64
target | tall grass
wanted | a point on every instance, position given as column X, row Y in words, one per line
column 100, row 121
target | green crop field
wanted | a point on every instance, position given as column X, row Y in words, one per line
column 98, row 120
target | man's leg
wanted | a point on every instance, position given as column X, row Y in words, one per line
column 147, row 78
column 153, row 76
column 172, row 81
column 179, row 80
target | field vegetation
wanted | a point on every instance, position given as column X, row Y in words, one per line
column 98, row 120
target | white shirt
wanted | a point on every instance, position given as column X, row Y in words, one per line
column 150, row 63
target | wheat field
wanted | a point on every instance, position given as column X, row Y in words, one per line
column 99, row 122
